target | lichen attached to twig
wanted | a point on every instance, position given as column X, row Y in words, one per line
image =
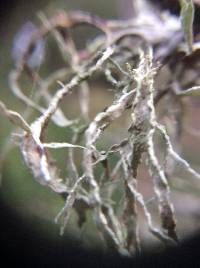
column 125, row 56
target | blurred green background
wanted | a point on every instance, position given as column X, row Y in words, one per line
column 19, row 190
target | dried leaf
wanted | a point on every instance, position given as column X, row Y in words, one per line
column 39, row 163
column 187, row 17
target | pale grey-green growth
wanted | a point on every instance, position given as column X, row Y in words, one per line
column 135, row 140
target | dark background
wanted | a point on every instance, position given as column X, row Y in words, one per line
column 23, row 245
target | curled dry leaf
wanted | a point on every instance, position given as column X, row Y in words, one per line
column 38, row 161
column 187, row 18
